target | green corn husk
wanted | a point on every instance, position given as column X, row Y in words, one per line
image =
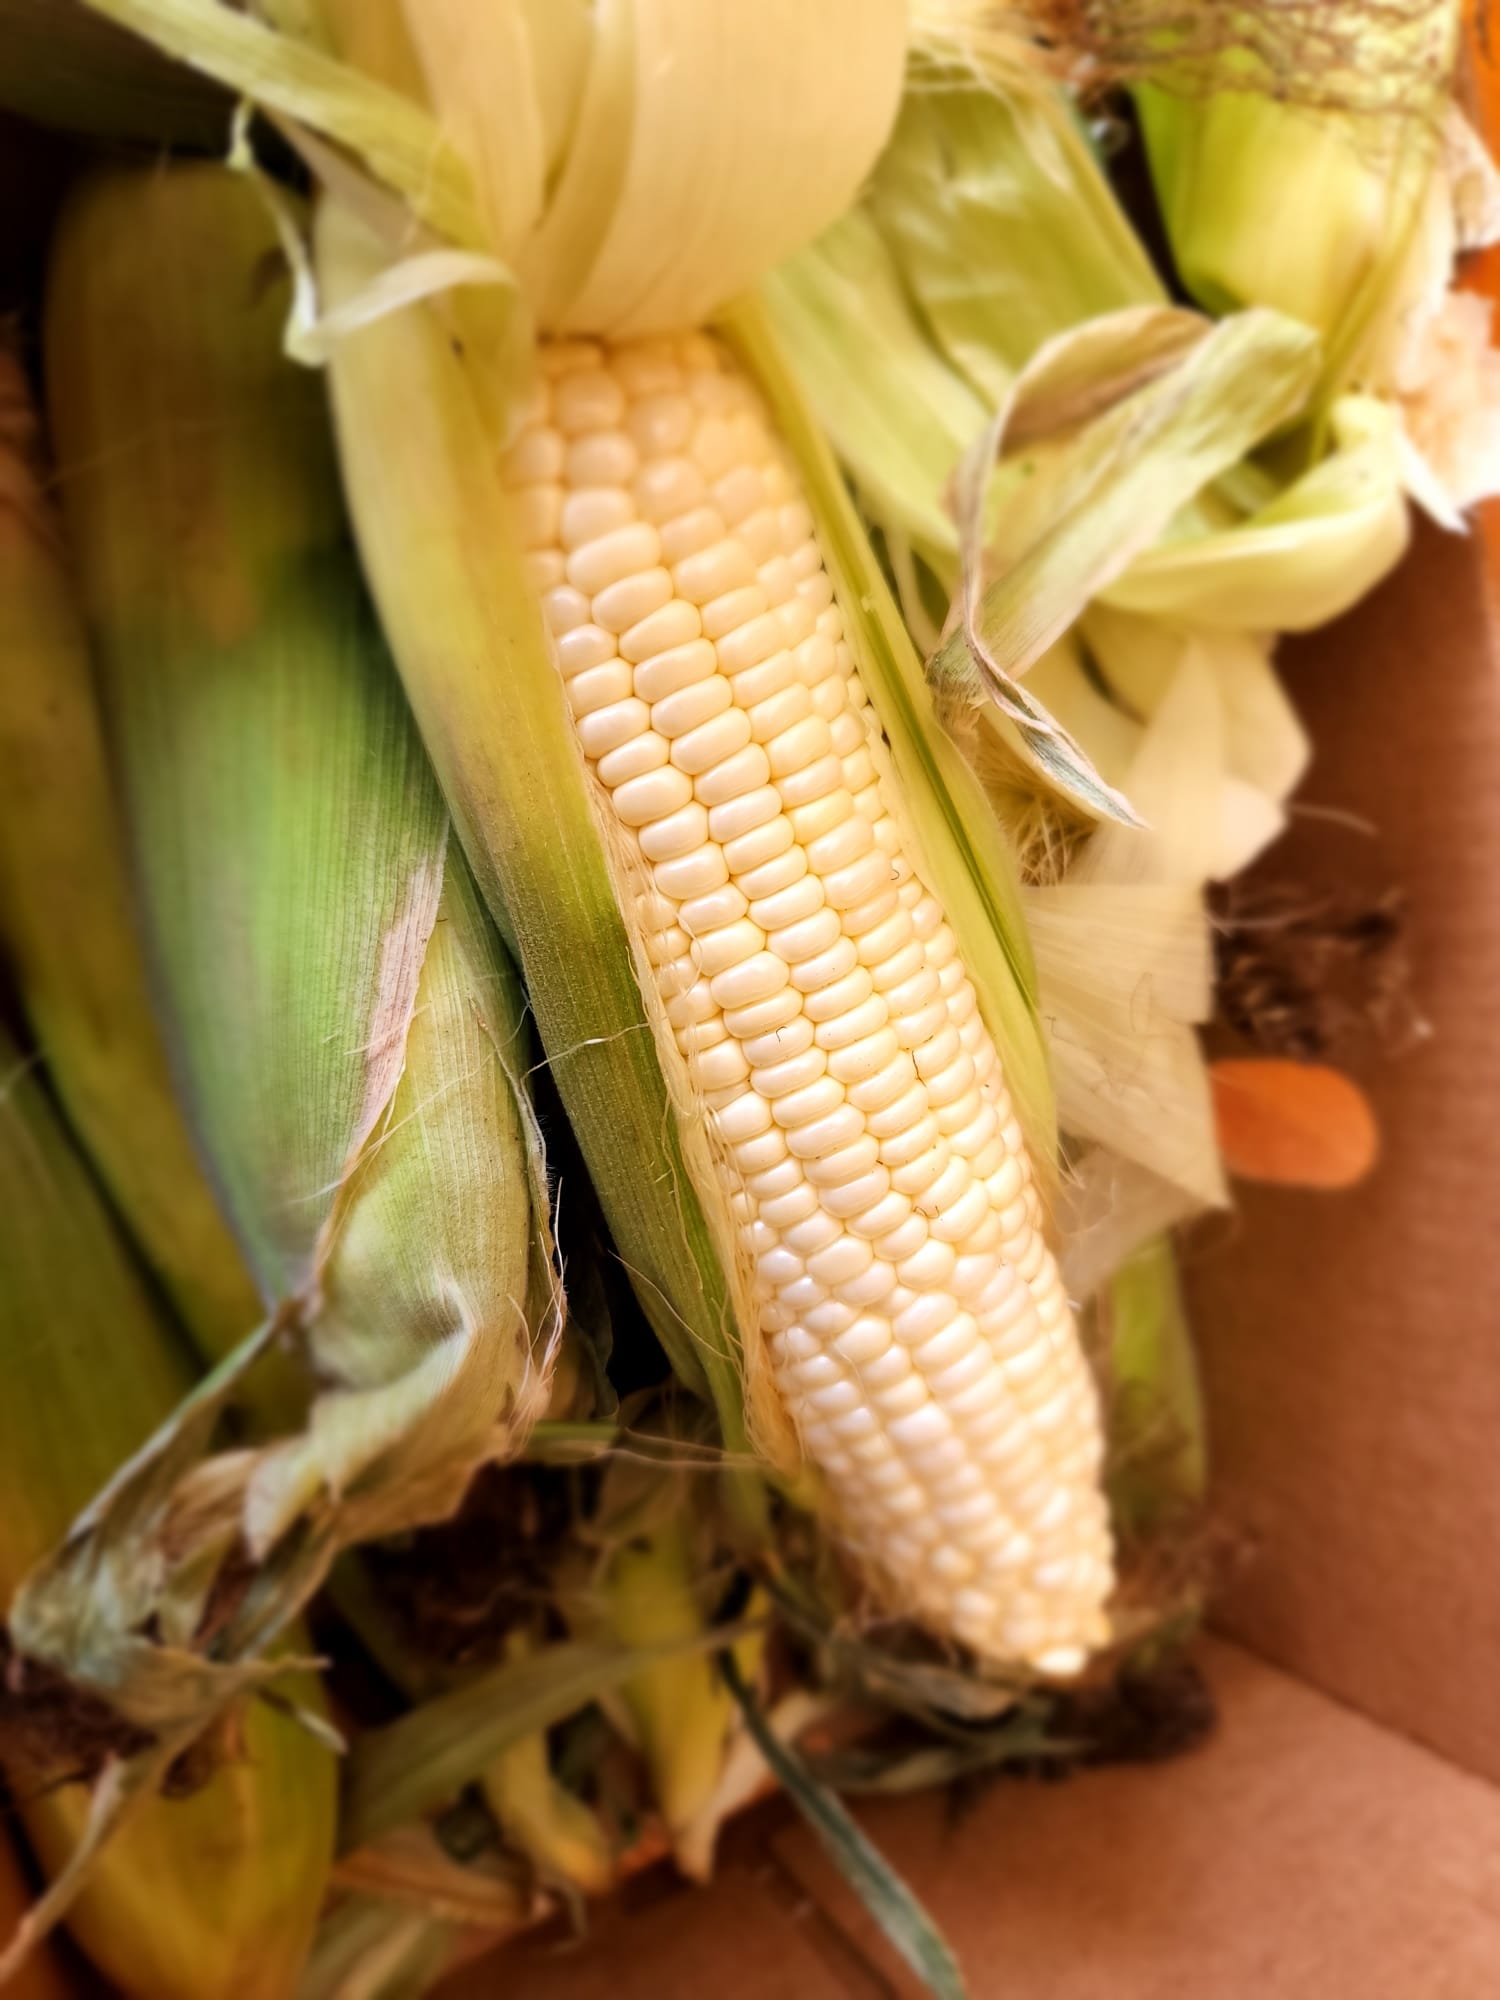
column 1311, row 183
column 347, row 1025
column 67, row 927
column 202, row 1897
column 345, row 1019
column 1158, row 1440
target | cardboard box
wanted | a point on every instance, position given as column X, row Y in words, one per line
column 1339, row 1836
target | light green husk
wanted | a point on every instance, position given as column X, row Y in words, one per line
column 67, row 926
column 200, row 1898
column 347, row 1026
column 1158, row 1443
column 1308, row 192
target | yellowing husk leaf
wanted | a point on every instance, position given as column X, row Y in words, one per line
column 539, row 1817
column 678, row 1712
column 66, row 921
column 1158, row 1443
column 198, row 1898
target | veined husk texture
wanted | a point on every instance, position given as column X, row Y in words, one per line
column 67, row 925
column 198, row 1898
column 343, row 1018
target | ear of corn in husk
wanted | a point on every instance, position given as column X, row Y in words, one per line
column 1357, row 116
column 1304, row 182
column 653, row 1590
column 346, row 1023
column 212, row 1894
column 67, row 922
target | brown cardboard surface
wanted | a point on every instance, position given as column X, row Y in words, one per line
column 1351, row 1343
column 1303, row 1854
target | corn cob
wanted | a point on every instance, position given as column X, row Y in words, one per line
column 196, row 1898
column 66, row 922
column 918, row 1328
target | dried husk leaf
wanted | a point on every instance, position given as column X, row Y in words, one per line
column 197, row 1898
column 67, row 923
column 369, row 1947
column 1105, row 434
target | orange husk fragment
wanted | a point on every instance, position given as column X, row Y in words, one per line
column 1292, row 1124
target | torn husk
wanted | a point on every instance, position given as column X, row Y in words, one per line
column 345, row 1022
column 200, row 1897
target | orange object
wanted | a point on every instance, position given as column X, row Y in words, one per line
column 1296, row 1124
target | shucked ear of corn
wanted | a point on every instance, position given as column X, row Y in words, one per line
column 844, row 1113
column 344, row 1020
column 203, row 1897
column 67, row 925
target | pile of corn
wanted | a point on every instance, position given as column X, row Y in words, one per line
column 622, row 685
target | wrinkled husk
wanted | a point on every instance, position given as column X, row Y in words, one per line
column 198, row 1898
column 67, row 924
